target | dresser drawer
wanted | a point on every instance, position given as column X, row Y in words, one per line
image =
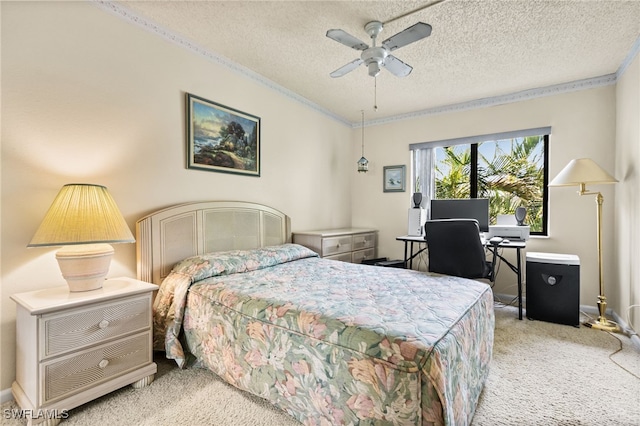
column 336, row 245
column 343, row 257
column 93, row 366
column 363, row 241
column 340, row 244
column 77, row 328
column 360, row 255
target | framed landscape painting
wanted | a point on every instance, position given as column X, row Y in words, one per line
column 222, row 139
column 394, row 177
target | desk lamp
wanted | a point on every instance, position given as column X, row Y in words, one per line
column 581, row 172
column 83, row 219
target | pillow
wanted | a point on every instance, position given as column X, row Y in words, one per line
column 237, row 261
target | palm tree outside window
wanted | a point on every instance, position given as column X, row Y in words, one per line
column 510, row 169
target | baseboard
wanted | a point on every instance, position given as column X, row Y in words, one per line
column 5, row 395
column 508, row 298
column 636, row 341
column 592, row 310
column 587, row 309
column 627, row 330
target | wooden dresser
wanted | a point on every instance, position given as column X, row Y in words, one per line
column 75, row 347
column 345, row 244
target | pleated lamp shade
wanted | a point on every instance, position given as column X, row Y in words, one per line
column 84, row 219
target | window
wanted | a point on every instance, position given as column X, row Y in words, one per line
column 510, row 169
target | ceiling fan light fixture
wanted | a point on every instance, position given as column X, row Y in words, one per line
column 374, row 68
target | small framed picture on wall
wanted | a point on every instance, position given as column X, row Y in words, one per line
column 394, row 178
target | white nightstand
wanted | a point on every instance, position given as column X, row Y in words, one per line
column 75, row 347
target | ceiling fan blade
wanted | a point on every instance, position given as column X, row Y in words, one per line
column 397, row 67
column 347, row 68
column 347, row 39
column 413, row 33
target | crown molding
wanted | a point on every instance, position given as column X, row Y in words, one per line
column 150, row 26
column 574, row 86
column 605, row 80
column 635, row 49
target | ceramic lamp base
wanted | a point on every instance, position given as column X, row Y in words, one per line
column 85, row 266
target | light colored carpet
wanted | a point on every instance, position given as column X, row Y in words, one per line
column 541, row 374
column 550, row 374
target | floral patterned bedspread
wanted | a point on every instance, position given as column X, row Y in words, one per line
column 331, row 342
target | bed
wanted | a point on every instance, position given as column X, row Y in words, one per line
column 328, row 342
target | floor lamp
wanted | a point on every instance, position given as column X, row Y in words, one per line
column 580, row 172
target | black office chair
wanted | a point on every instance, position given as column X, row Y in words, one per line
column 455, row 248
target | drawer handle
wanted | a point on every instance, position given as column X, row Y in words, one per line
column 103, row 324
column 103, row 363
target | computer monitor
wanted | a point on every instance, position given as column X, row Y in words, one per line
column 462, row 208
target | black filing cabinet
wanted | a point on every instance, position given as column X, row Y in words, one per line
column 553, row 288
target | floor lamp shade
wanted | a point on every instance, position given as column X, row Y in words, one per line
column 85, row 220
column 580, row 172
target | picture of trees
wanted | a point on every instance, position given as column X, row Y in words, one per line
column 222, row 139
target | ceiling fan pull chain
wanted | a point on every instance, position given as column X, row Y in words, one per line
column 375, row 94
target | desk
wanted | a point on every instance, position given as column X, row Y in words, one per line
column 409, row 255
column 517, row 268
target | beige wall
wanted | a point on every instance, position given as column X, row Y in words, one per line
column 627, row 212
column 583, row 125
column 89, row 97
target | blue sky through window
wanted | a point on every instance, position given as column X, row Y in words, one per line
column 488, row 150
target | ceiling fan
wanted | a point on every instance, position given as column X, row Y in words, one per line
column 376, row 57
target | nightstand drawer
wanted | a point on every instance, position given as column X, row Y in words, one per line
column 336, row 245
column 364, row 241
column 75, row 329
column 93, row 366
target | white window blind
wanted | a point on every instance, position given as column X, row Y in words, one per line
column 482, row 138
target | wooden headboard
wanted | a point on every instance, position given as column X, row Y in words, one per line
column 167, row 236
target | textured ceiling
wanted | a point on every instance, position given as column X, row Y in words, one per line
column 477, row 49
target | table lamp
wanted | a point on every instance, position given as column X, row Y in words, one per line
column 580, row 172
column 83, row 219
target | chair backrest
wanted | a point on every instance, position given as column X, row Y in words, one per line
column 455, row 248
